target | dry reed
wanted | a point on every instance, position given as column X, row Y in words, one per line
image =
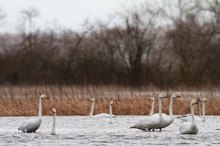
column 72, row 100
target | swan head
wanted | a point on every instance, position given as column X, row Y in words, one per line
column 91, row 99
column 43, row 96
column 54, row 110
column 111, row 102
column 176, row 95
column 194, row 101
column 162, row 95
column 205, row 99
column 152, row 98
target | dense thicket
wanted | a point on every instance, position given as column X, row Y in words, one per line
column 135, row 51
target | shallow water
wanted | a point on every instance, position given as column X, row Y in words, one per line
column 82, row 130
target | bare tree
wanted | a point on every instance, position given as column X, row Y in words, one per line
column 28, row 16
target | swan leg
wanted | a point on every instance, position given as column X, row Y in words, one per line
column 153, row 129
column 160, row 129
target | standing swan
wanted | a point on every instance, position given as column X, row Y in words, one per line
column 152, row 105
column 33, row 124
column 101, row 115
column 168, row 119
column 190, row 128
column 151, row 122
column 53, row 132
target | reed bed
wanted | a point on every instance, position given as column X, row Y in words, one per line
column 72, row 100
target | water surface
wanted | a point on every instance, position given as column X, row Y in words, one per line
column 82, row 130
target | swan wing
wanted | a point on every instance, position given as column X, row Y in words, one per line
column 188, row 128
column 167, row 120
column 147, row 123
column 30, row 125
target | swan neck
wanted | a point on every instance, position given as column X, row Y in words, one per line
column 92, row 109
column 160, row 107
column 192, row 112
column 203, row 110
column 171, row 107
column 110, row 110
column 54, row 122
column 152, row 108
column 40, row 107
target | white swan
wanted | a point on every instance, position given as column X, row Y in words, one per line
column 101, row 115
column 168, row 119
column 33, row 124
column 53, row 132
column 197, row 118
column 152, row 105
column 151, row 122
column 190, row 128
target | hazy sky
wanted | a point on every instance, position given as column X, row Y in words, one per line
column 66, row 13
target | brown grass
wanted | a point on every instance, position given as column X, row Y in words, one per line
column 72, row 100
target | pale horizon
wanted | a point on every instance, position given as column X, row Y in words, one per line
column 64, row 14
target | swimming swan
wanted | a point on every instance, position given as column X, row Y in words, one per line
column 196, row 117
column 168, row 119
column 190, row 128
column 33, row 124
column 151, row 122
column 101, row 115
column 53, row 132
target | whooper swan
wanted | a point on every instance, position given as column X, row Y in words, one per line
column 101, row 115
column 150, row 122
column 190, row 127
column 33, row 124
column 196, row 117
column 168, row 119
